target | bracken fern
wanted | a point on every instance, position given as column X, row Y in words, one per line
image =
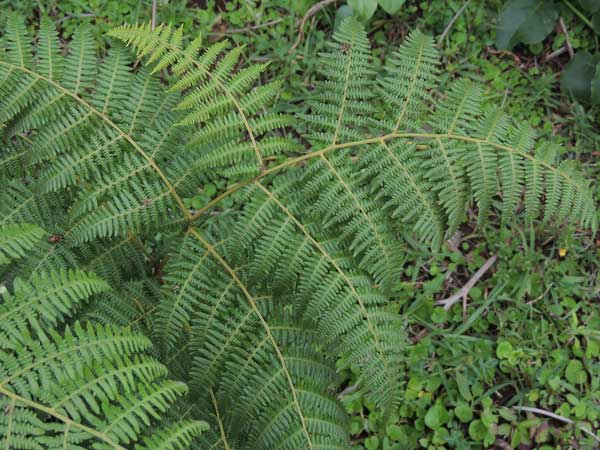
column 254, row 306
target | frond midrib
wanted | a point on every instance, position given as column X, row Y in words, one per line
column 222, row 433
column 265, row 325
column 338, row 269
column 380, row 139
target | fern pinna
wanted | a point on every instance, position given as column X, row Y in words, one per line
column 255, row 307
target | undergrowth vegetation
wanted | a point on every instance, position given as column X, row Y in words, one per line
column 187, row 264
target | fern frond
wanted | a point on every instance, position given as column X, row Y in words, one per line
column 175, row 437
column 113, row 81
column 18, row 41
column 342, row 302
column 397, row 172
column 146, row 207
column 511, row 169
column 339, row 200
column 411, row 75
column 181, row 294
column 449, row 181
column 46, row 298
column 84, row 137
column 233, row 328
column 130, row 306
column 481, row 160
column 342, row 105
column 95, row 382
column 13, row 159
column 50, row 62
column 81, row 62
column 216, row 94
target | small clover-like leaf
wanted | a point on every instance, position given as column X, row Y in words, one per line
column 504, row 349
column 394, row 432
column 464, row 412
column 437, row 416
column 477, row 430
column 575, row 372
column 372, row 443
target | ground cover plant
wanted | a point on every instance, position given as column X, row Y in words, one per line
column 191, row 259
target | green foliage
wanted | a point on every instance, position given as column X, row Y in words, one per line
column 514, row 349
column 525, row 21
column 257, row 306
column 96, row 382
column 531, row 21
column 16, row 239
column 581, row 78
column 364, row 9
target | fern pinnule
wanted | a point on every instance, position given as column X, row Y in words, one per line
column 81, row 62
column 46, row 298
column 17, row 239
column 49, row 61
column 396, row 170
column 481, row 160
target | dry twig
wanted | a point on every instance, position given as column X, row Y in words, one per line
column 311, row 12
column 543, row 412
column 464, row 291
column 501, row 443
column 154, row 14
column 460, row 295
column 454, row 19
column 248, row 28
column 563, row 28
column 74, row 16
